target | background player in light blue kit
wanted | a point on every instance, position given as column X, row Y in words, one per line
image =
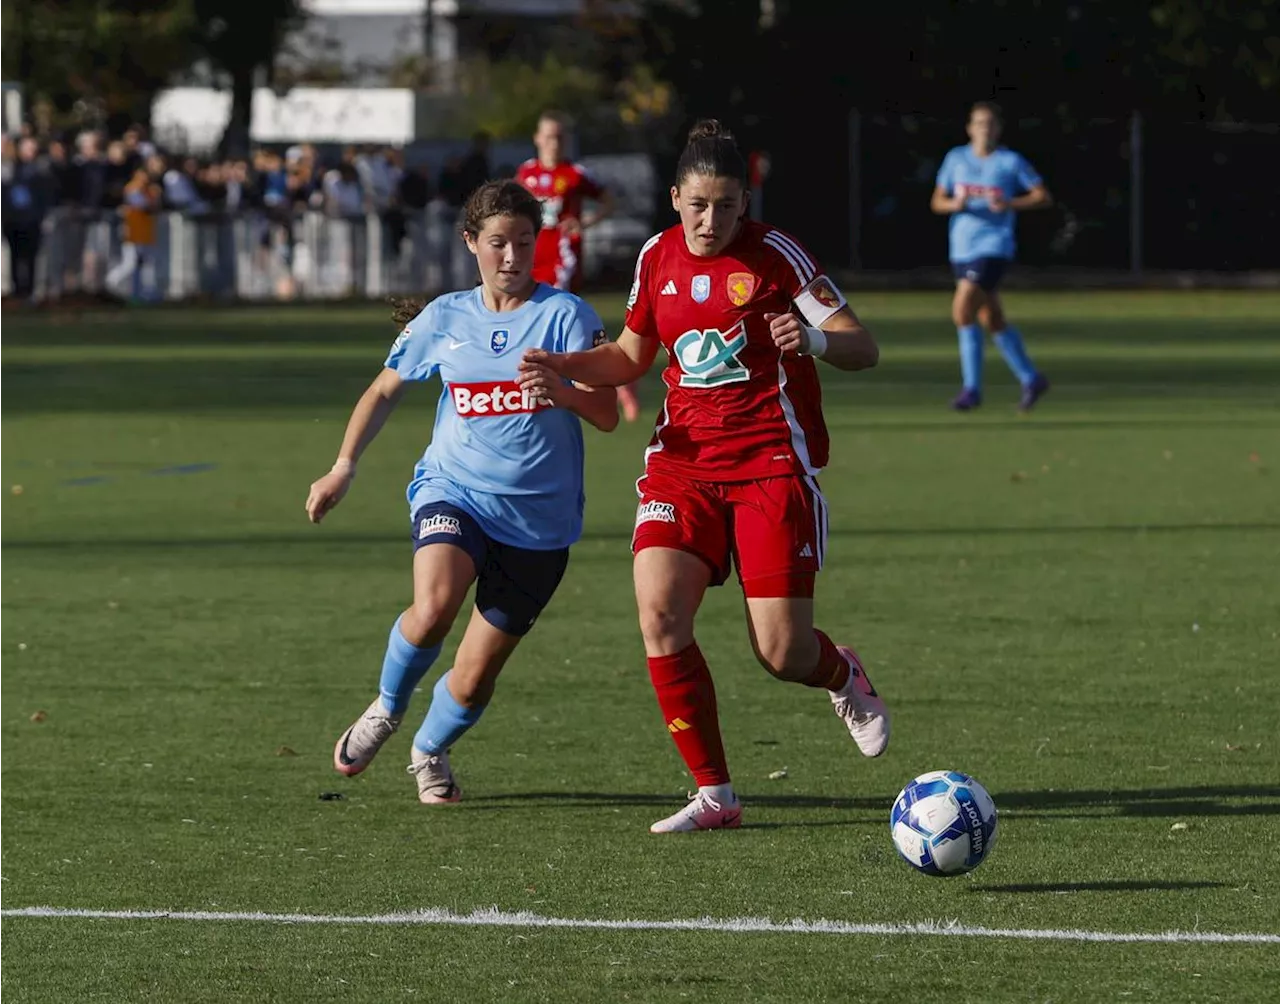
column 982, row 186
column 497, row 497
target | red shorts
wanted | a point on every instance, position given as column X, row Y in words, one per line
column 775, row 529
column 557, row 260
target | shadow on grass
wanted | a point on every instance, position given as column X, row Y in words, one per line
column 1220, row 800
column 313, row 539
column 1121, row 885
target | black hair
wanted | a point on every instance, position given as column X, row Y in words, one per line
column 988, row 106
column 562, row 119
column 493, row 198
column 711, row 151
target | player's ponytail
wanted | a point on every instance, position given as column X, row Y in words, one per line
column 405, row 308
column 712, row 152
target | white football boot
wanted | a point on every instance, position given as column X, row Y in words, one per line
column 702, row 813
column 359, row 744
column 436, row 785
column 861, row 708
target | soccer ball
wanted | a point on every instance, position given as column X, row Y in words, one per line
column 943, row 823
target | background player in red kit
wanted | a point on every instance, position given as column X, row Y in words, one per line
column 563, row 187
column 742, row 311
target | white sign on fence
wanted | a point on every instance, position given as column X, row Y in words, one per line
column 193, row 118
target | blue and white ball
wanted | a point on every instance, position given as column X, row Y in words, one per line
column 943, row 823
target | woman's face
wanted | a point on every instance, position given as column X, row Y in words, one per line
column 504, row 253
column 710, row 209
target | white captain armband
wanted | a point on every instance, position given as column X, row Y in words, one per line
column 819, row 300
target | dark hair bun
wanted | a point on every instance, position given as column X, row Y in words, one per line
column 709, row 129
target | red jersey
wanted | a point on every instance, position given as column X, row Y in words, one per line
column 561, row 190
column 737, row 409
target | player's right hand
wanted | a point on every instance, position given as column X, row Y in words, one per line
column 537, row 359
column 326, row 492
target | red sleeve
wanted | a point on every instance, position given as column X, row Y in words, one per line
column 640, row 317
column 815, row 296
column 794, row 267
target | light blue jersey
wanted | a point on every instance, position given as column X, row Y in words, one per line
column 509, row 459
column 975, row 231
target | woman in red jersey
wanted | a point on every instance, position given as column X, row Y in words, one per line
column 743, row 311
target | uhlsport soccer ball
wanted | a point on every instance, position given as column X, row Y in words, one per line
column 943, row 823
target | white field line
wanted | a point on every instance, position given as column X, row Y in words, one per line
column 733, row 925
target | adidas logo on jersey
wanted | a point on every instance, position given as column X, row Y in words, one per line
column 481, row 400
column 670, row 288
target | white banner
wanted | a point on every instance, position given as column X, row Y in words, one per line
column 193, row 118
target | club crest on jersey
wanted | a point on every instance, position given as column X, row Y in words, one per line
column 499, row 339
column 700, row 288
column 740, row 286
column 709, row 357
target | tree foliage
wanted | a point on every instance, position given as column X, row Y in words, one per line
column 242, row 39
column 90, row 61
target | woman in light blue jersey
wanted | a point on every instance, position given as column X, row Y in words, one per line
column 497, row 497
column 982, row 186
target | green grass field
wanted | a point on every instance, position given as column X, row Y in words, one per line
column 1078, row 607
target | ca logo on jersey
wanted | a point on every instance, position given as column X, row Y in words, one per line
column 709, row 357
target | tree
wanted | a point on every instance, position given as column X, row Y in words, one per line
column 1225, row 60
column 241, row 39
column 94, row 60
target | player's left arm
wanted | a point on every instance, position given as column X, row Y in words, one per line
column 1035, row 194
column 597, row 405
column 604, row 207
column 841, row 339
column 821, row 323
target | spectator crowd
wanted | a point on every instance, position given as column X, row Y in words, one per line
column 101, row 198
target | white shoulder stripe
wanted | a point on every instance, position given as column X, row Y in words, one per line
column 792, row 243
column 644, row 250
column 635, row 281
column 803, row 272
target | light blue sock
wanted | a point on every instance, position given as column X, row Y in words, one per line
column 403, row 667
column 446, row 722
column 1009, row 342
column 971, row 355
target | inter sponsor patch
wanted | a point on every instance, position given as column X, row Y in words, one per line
column 429, row 526
column 655, row 512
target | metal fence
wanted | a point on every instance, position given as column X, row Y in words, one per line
column 1131, row 193
column 258, row 255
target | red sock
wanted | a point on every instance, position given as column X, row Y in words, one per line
column 687, row 697
column 832, row 672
